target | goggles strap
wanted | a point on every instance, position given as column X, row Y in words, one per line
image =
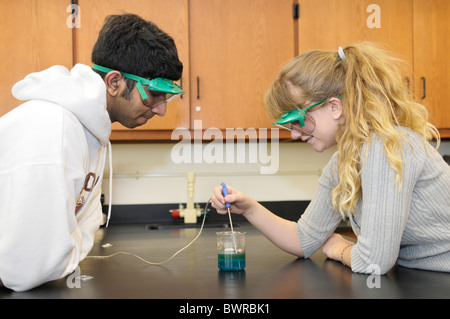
column 301, row 118
column 101, row 68
column 141, row 90
column 127, row 75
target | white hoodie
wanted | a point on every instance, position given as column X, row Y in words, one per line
column 52, row 155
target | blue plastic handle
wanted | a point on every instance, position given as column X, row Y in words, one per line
column 225, row 193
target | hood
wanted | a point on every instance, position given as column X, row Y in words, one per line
column 81, row 91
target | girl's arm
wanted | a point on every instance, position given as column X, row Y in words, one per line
column 338, row 248
column 281, row 232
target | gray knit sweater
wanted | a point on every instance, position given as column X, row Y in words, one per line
column 410, row 226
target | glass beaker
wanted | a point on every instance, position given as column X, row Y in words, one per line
column 231, row 250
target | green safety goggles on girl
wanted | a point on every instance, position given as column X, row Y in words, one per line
column 167, row 86
column 298, row 119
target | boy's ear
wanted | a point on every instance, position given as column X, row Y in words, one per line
column 336, row 107
column 113, row 81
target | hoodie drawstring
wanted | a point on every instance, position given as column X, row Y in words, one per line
column 110, row 183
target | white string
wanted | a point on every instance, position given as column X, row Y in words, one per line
column 110, row 183
column 162, row 262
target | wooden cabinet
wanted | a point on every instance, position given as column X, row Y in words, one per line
column 33, row 36
column 232, row 50
column 328, row 24
column 414, row 30
column 237, row 50
column 344, row 22
column 431, row 57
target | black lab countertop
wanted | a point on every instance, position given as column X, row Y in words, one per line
column 193, row 274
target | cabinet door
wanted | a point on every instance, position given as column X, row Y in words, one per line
column 169, row 15
column 328, row 24
column 432, row 67
column 34, row 35
column 237, row 50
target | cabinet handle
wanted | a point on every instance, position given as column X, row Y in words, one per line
column 424, row 87
column 198, row 87
column 407, row 83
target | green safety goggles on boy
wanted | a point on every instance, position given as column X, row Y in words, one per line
column 163, row 85
column 298, row 119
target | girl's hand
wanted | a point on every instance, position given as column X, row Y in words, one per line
column 280, row 231
column 239, row 201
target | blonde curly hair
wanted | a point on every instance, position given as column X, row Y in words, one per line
column 374, row 100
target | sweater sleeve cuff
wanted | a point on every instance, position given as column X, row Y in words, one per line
column 309, row 245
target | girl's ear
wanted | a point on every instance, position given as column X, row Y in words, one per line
column 336, row 107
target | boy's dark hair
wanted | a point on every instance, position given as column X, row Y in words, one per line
column 130, row 44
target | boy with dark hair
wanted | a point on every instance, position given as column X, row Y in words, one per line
column 53, row 147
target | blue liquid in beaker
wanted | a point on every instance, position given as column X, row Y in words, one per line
column 231, row 262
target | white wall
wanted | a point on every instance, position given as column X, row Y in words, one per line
column 147, row 173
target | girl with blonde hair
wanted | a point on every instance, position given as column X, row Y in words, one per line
column 385, row 177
